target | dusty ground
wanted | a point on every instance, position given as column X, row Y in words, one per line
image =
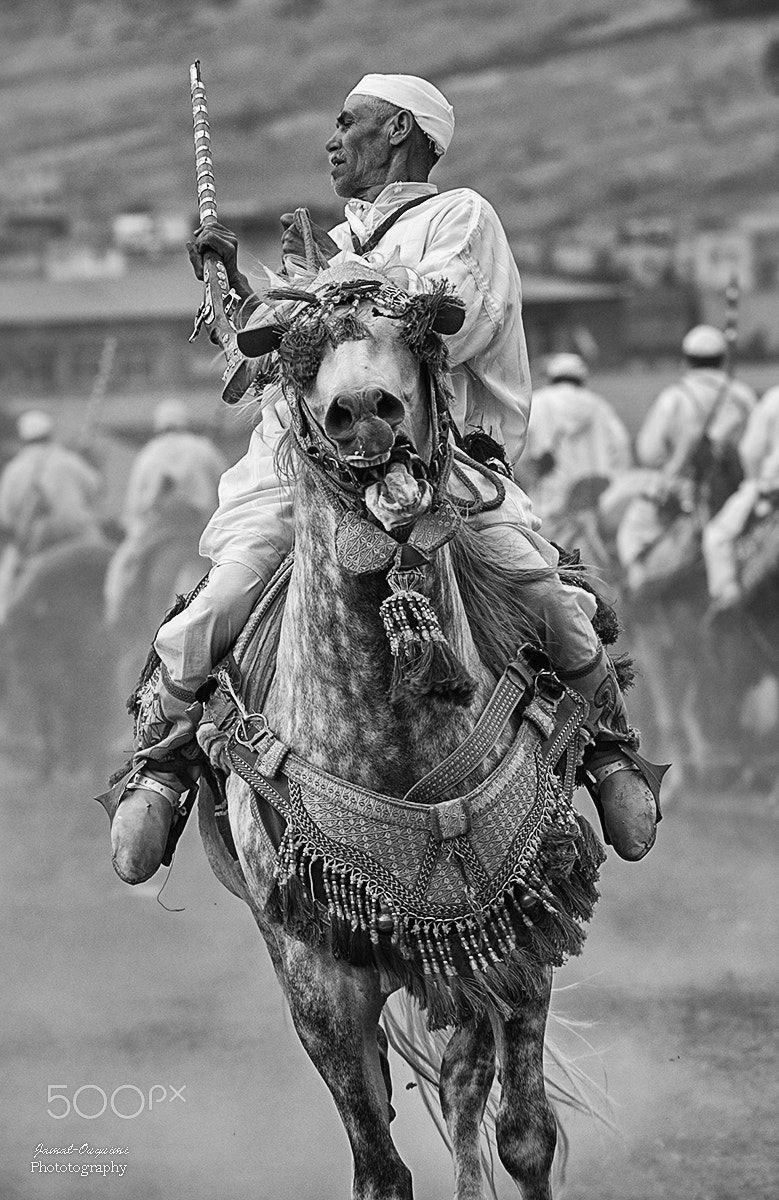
column 106, row 987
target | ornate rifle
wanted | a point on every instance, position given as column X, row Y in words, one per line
column 732, row 295
column 98, row 393
column 219, row 301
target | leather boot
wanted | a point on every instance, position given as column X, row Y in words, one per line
column 626, row 803
column 624, row 786
column 142, row 810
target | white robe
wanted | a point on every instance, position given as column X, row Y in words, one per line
column 585, row 438
column 759, row 453
column 454, row 235
column 47, row 493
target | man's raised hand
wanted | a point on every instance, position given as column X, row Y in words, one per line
column 224, row 243
column 292, row 238
column 213, row 236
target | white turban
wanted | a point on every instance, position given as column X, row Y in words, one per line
column 34, row 425
column 431, row 110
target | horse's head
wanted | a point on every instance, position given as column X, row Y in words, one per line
column 362, row 364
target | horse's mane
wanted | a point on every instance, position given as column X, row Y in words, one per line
column 492, row 597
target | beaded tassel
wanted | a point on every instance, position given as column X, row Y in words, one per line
column 424, row 661
column 409, row 621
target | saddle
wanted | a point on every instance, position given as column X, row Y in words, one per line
column 463, row 899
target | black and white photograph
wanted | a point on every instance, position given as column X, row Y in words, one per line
column 389, row 599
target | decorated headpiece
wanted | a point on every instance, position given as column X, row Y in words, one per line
column 430, row 109
column 298, row 320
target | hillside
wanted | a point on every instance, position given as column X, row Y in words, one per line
column 566, row 109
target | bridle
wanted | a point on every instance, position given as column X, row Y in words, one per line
column 318, row 321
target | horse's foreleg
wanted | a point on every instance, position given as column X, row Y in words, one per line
column 467, row 1072
column 526, row 1129
column 336, row 1012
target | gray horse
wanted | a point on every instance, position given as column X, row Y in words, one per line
column 395, row 631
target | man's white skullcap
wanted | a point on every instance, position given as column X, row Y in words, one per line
column 34, row 425
column 566, row 366
column 430, row 108
column 704, row 341
column 170, row 414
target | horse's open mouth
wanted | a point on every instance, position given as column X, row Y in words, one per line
column 374, row 468
column 398, row 491
column 363, row 462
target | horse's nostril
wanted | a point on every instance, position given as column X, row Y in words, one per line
column 390, row 409
column 341, row 415
column 348, row 408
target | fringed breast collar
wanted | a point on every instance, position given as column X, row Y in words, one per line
column 460, row 897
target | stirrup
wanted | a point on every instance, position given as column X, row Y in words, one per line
column 621, row 757
column 624, row 808
column 611, row 768
column 133, row 778
column 141, row 780
column 145, row 832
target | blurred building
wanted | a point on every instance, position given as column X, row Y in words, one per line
column 718, row 255
column 657, row 320
column 52, row 331
column 148, row 234
column 645, row 252
column 139, row 289
column 749, row 252
column 573, row 314
column 26, row 234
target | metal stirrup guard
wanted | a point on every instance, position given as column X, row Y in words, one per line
column 611, row 768
column 147, row 781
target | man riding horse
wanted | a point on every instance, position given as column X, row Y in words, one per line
column 687, row 447
column 389, row 135
column 170, row 492
column 756, row 496
column 574, row 437
column 48, row 511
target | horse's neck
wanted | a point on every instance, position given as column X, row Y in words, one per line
column 330, row 697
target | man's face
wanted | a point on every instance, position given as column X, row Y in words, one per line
column 359, row 151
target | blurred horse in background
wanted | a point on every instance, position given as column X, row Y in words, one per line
column 145, row 577
column 697, row 671
column 58, row 683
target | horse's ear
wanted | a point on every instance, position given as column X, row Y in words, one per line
column 449, row 316
column 261, row 339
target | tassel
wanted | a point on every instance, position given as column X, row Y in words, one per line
column 424, row 661
column 348, row 328
column 291, row 906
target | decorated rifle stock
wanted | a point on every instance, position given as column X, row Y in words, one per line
column 732, row 297
column 219, row 300
column 98, row 393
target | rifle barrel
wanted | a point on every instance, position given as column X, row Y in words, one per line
column 732, row 297
column 239, row 373
column 204, row 163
